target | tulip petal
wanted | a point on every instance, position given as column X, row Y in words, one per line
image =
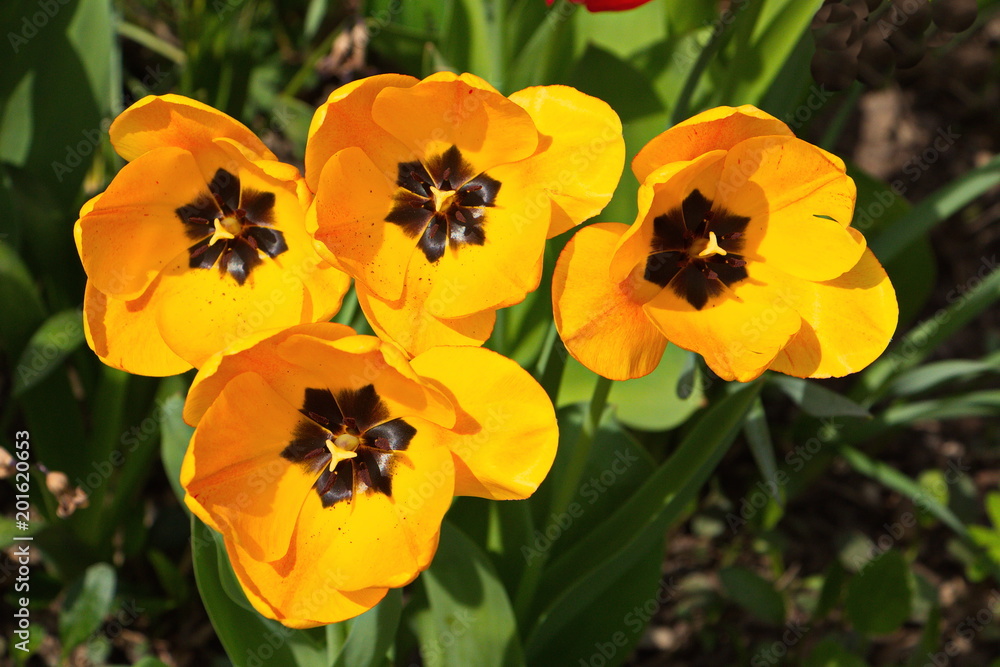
column 602, row 323
column 257, row 353
column 505, row 438
column 346, row 120
column 234, row 473
column 740, row 332
column 432, row 116
column 720, row 128
column 158, row 121
column 799, row 201
column 847, row 323
column 135, row 344
column 133, row 230
column 580, row 154
column 318, row 606
column 411, row 324
column 348, row 217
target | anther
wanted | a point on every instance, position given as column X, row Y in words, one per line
column 460, row 216
column 319, row 419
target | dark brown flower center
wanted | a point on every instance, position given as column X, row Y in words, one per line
column 350, row 438
column 443, row 201
column 231, row 227
column 695, row 250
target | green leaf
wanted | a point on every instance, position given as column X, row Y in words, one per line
column 607, row 76
column 55, row 340
column 931, row 376
column 817, row 400
column 754, row 593
column 878, row 598
column 20, row 302
column 246, row 636
column 87, row 603
column 649, row 403
column 759, row 438
column 829, row 595
column 174, row 438
column 372, row 634
column 925, row 337
column 579, row 577
column 470, row 620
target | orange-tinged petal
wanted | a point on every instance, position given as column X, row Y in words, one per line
column 663, row 191
column 234, row 473
column 465, row 77
column 720, row 128
column 157, row 121
column 355, row 361
column 432, row 116
column 346, row 120
column 133, row 231
column 373, row 540
column 411, row 324
column 847, row 322
column 348, row 217
column 135, row 343
column 580, row 154
column 799, row 201
column 505, row 438
column 602, row 323
column 320, row 605
column 256, row 353
column 738, row 333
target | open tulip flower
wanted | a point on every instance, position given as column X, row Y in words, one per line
column 437, row 195
column 199, row 241
column 742, row 251
column 327, row 461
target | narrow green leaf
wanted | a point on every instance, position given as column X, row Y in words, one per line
column 20, row 302
column 55, row 340
column 87, row 603
column 933, row 375
column 878, row 598
column 817, row 400
column 471, row 618
column 829, row 595
column 890, row 477
column 936, row 208
column 925, row 337
column 754, row 593
column 174, row 438
column 759, row 438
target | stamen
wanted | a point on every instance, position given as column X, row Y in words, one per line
column 330, row 480
column 351, row 424
column 711, row 275
column 472, row 188
column 198, row 252
column 460, row 216
column 200, row 221
column 319, row 419
column 736, row 262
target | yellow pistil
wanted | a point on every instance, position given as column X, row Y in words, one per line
column 443, row 199
column 226, row 228
column 707, row 247
column 344, row 447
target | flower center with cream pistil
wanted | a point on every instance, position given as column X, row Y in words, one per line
column 443, row 202
column 232, row 226
column 350, row 441
column 695, row 251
